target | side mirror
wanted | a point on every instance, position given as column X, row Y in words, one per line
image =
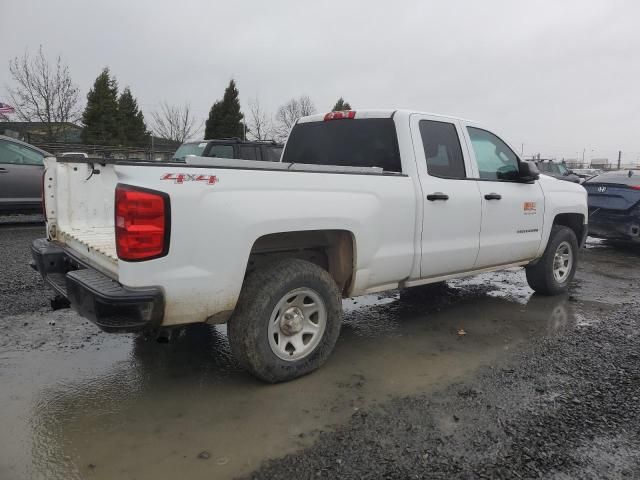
column 529, row 172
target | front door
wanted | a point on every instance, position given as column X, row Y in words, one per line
column 451, row 200
column 20, row 175
column 512, row 211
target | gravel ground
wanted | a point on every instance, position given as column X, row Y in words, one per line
column 567, row 407
column 21, row 288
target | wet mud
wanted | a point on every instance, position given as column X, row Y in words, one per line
column 78, row 403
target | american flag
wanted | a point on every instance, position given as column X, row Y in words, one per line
column 4, row 108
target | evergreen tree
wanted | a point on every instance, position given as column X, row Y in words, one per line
column 100, row 117
column 132, row 129
column 341, row 105
column 225, row 118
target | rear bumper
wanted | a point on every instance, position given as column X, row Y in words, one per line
column 614, row 227
column 110, row 305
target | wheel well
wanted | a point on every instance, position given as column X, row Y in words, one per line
column 574, row 221
column 332, row 250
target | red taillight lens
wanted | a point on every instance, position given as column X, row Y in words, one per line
column 142, row 223
column 635, row 187
column 340, row 115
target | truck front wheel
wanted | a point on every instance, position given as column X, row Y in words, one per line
column 553, row 273
column 287, row 320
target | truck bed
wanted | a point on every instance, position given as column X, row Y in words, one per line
column 95, row 239
column 79, row 200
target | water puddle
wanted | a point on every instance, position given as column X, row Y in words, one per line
column 124, row 407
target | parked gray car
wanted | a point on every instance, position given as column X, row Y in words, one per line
column 21, row 168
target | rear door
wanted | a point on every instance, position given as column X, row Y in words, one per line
column 512, row 211
column 20, row 175
column 450, row 196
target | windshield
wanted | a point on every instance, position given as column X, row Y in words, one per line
column 370, row 142
column 194, row 148
column 552, row 167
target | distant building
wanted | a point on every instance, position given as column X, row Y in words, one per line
column 36, row 132
column 600, row 163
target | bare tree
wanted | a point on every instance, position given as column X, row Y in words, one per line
column 44, row 93
column 289, row 113
column 175, row 122
column 259, row 123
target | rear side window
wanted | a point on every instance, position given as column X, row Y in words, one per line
column 369, row 142
column 442, row 149
column 247, row 153
column 220, row 151
column 272, row 154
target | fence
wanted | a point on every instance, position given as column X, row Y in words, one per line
column 157, row 153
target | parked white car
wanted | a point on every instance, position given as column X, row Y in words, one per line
column 362, row 202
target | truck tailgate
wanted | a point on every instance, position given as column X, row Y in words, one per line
column 79, row 205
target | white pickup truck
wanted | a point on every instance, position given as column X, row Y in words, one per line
column 361, row 202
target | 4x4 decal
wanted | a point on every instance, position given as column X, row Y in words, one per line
column 190, row 177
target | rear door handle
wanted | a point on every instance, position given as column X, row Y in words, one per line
column 493, row 196
column 3, row 170
column 437, row 196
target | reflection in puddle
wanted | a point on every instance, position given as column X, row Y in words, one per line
column 136, row 408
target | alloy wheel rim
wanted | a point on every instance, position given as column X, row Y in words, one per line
column 562, row 262
column 297, row 324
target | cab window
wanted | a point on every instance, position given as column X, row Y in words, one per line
column 442, row 149
column 496, row 161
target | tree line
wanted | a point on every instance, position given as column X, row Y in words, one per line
column 44, row 92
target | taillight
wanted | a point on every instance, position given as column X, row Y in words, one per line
column 142, row 219
column 635, row 187
column 340, row 115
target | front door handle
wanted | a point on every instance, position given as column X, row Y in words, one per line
column 493, row 196
column 437, row 196
column 3, row 170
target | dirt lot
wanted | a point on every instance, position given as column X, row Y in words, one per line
column 476, row 379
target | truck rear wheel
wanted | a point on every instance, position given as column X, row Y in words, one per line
column 555, row 270
column 287, row 320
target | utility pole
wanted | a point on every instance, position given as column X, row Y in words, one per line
column 619, row 158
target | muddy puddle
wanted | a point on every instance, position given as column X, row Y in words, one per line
column 123, row 407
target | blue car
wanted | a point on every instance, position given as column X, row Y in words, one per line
column 614, row 205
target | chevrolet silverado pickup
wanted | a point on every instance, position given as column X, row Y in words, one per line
column 361, row 202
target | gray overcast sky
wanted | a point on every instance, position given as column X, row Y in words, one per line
column 558, row 76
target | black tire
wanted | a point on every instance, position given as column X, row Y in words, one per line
column 541, row 275
column 261, row 292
